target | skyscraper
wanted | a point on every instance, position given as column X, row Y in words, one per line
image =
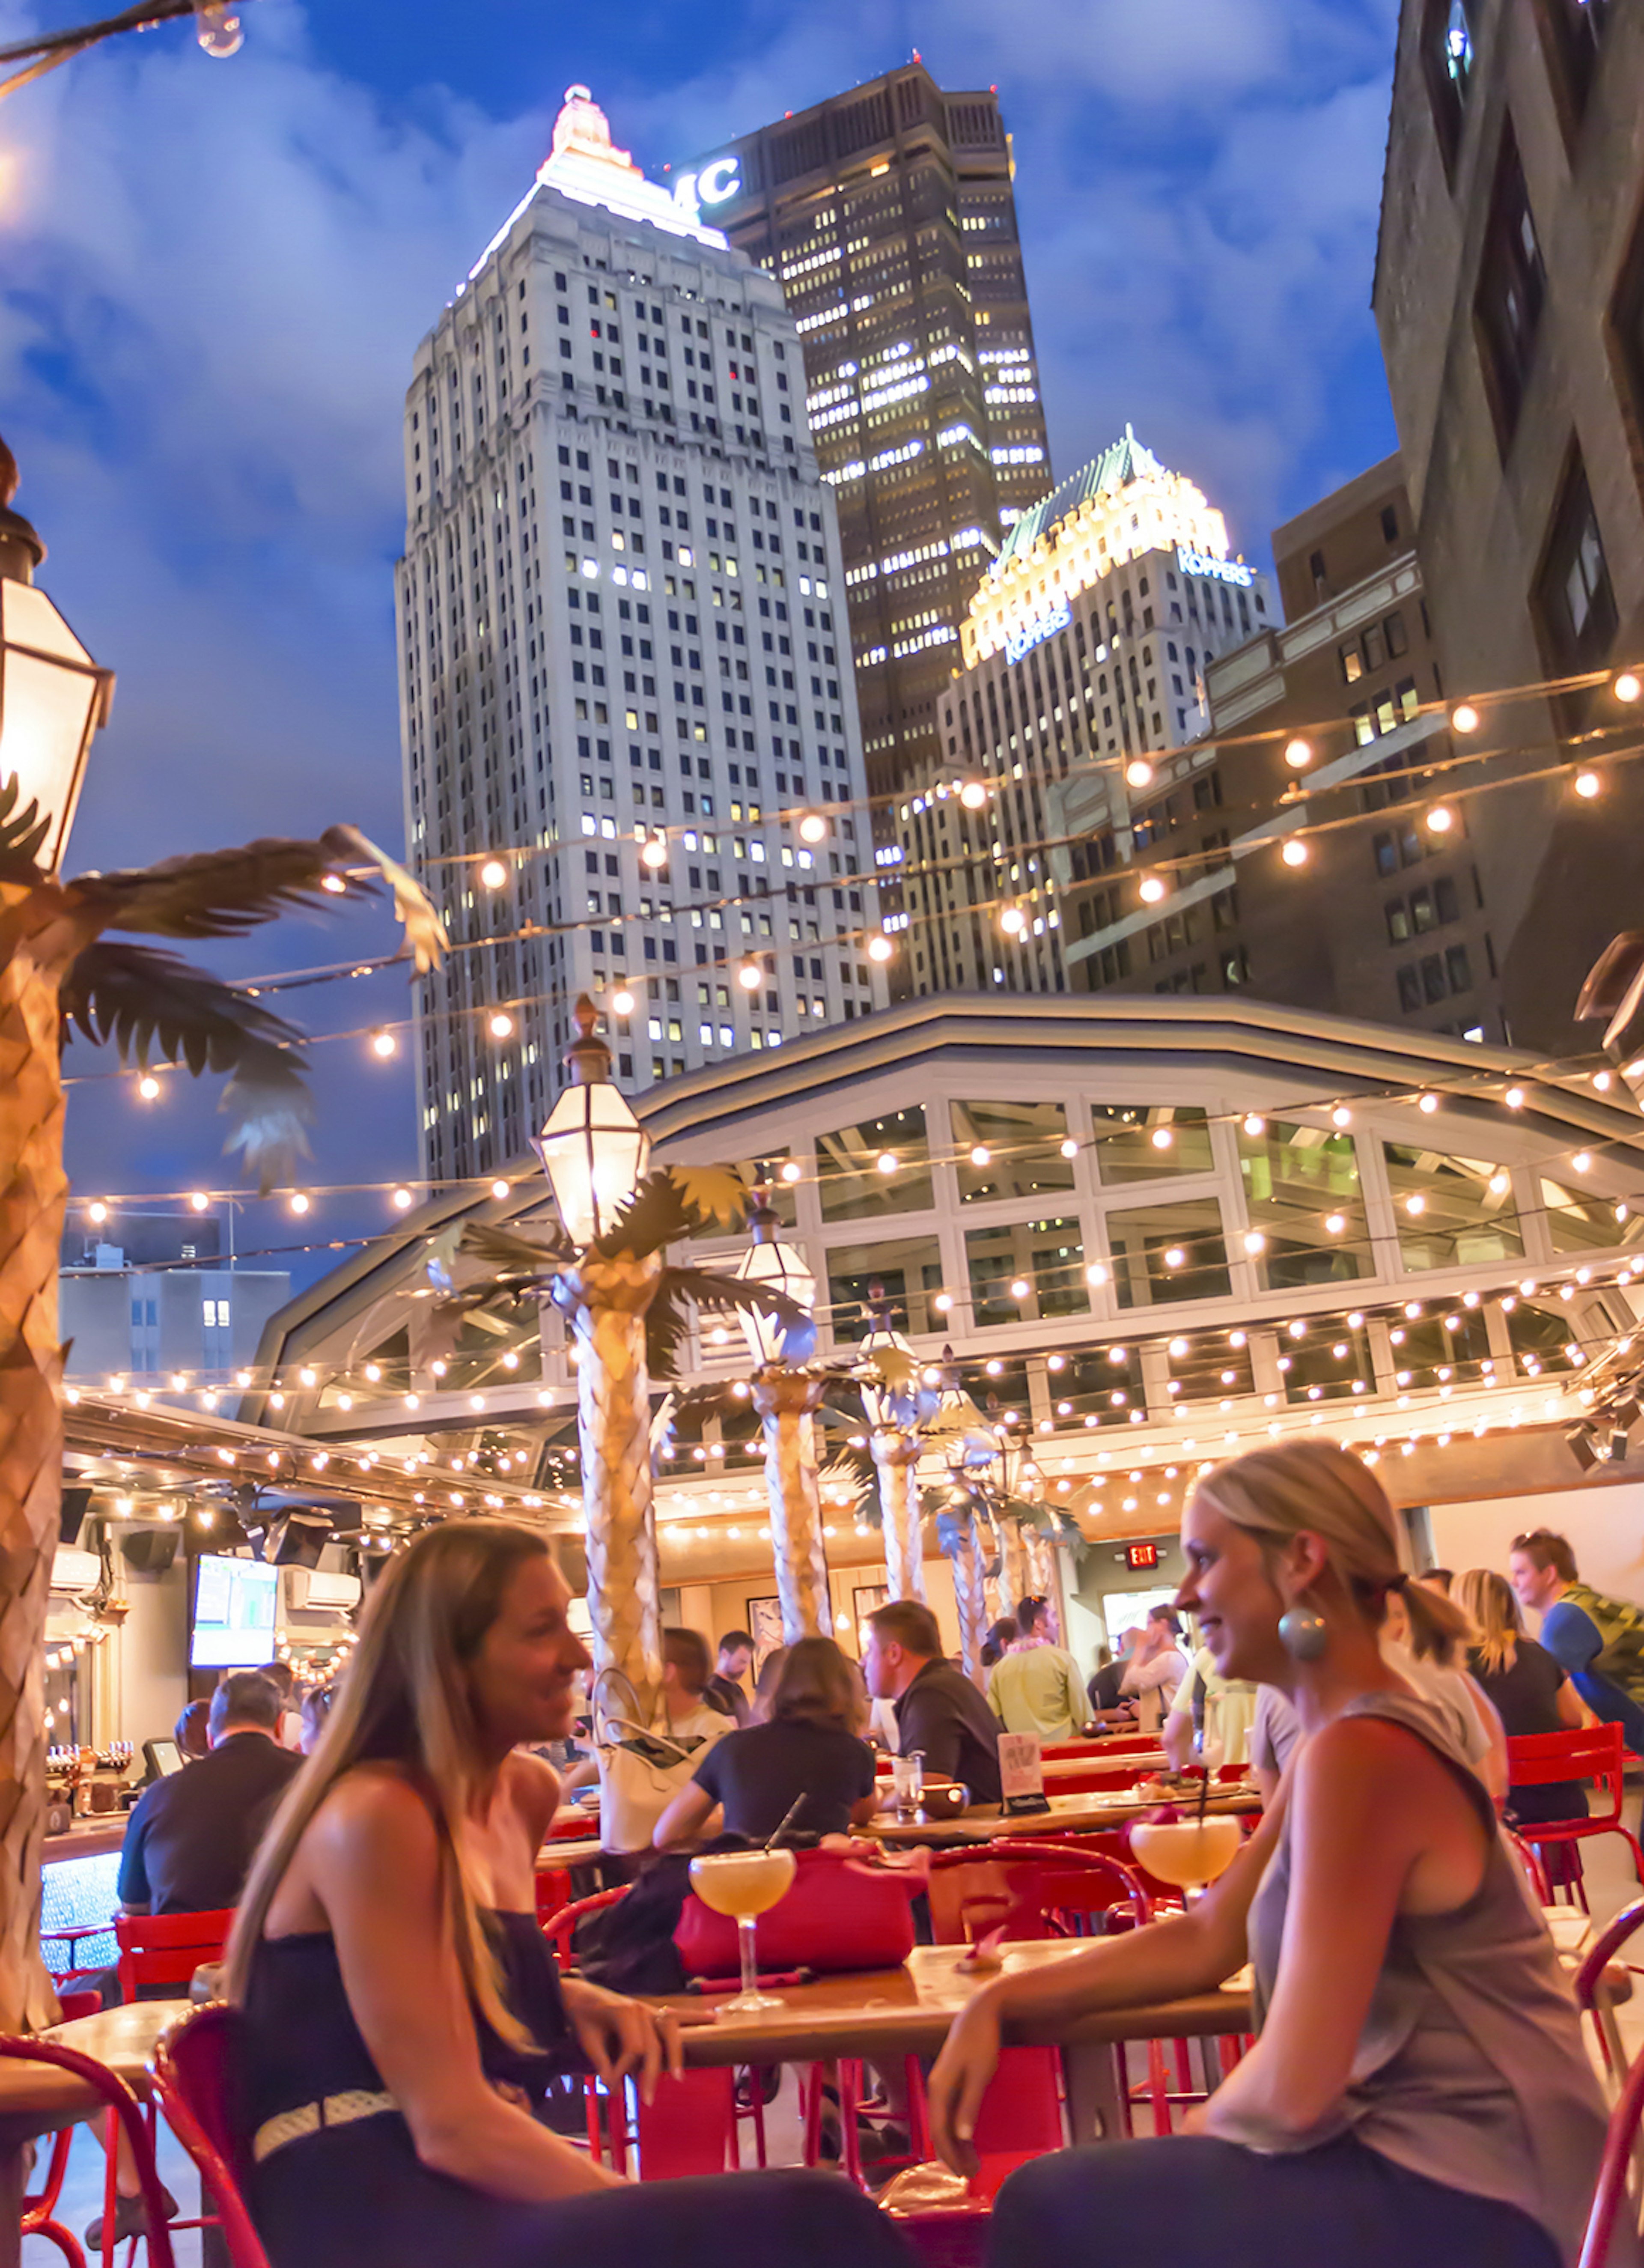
column 626, row 700
column 887, row 217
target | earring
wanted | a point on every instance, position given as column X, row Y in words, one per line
column 1305, row 1632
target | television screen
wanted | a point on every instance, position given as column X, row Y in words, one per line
column 234, row 1602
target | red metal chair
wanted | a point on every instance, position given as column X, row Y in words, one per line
column 40, row 2207
column 157, row 1950
column 122, row 2104
column 1603, row 1984
column 1538, row 1759
column 1615, row 2197
column 191, row 2086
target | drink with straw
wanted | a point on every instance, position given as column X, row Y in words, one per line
column 744, row 1885
column 1190, row 1852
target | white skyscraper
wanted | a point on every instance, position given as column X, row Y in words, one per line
column 626, row 692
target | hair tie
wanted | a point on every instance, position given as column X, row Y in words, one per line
column 1399, row 1582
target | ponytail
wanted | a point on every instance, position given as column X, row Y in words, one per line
column 1437, row 1625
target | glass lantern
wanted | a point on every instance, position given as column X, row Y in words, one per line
column 769, row 1261
column 53, row 695
column 593, row 1149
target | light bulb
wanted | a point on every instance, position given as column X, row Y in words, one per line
column 1070, row 1148
column 622, row 1002
column 493, row 873
column 1175, row 1257
column 97, row 1211
column 750, row 976
column 403, row 1200
column 1441, row 819
column 980, row 1155
column 1298, row 754
column 148, row 1087
column 1464, row 717
column 1294, row 852
column 1255, row 1243
column 1514, row 1098
column 1254, row 1125
column 1019, row 1289
column 499, row 1191
column 335, row 883
column 1161, row 1137
column 792, row 1170
column 655, row 853
column 1335, row 1222
column 1341, row 1116
column 383, row 1045
column 1095, row 1273
column 219, row 33
column 880, row 948
column 299, row 1203
column 1152, row 890
column 1628, row 686
column 973, row 795
column 1500, row 1183
column 1138, row 772
column 1013, row 921
column 1582, row 1162
column 888, row 1163
column 812, row 828
column 1427, row 1102
column 1587, row 785
column 500, row 1025
column 200, row 1201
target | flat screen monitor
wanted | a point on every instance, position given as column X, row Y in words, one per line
column 234, row 1602
column 163, row 1757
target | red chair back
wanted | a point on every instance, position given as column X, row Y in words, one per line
column 1028, row 1890
column 192, row 2082
column 111, row 2089
column 560, row 1928
column 1536, row 1759
column 159, row 1950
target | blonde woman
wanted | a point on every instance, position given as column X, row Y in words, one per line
column 401, row 2012
column 1528, row 1690
column 1419, row 2092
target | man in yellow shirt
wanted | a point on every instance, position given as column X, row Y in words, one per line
column 1035, row 1687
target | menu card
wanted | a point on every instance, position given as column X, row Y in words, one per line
column 1021, row 1772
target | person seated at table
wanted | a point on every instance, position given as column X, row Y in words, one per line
column 687, row 1666
column 1210, row 1717
column 192, row 1732
column 1151, row 1677
column 282, row 1678
column 190, row 1837
column 1419, row 2092
column 1597, row 1639
column 388, row 1951
column 316, row 1708
column 1529, row 1691
column 726, row 1686
column 1101, row 1688
column 1035, row 1687
column 939, row 1711
column 1001, row 1636
column 811, row 1748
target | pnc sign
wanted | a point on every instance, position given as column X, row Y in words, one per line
column 1224, row 570
column 716, row 184
column 1037, row 628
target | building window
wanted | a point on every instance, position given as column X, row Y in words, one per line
column 1010, row 1150
column 1512, row 286
column 1451, row 1213
column 906, row 1274
column 1447, row 56
column 1136, row 1144
column 1168, row 1251
column 1573, row 599
column 1303, row 1200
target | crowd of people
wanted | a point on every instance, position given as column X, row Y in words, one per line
column 1416, row 2042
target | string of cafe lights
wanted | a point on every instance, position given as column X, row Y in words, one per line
column 217, row 30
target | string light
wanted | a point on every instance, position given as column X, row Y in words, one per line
column 298, row 1201
column 500, row 1024
column 1138, row 772
column 1294, row 852
column 148, row 1087
column 1628, row 686
column 655, row 853
column 973, row 795
column 886, row 1162
column 1514, row 1098
column 384, row 1043
column 1464, row 717
column 1013, row 921
column 750, row 976
column 1298, row 754
column 812, row 828
column 499, row 1191
column 1255, row 1126
column 1441, row 819
column 880, row 948
column 622, row 1002
column 1587, row 785
column 1428, row 1103
column 199, row 1201
column 1152, row 890
column 493, row 873
column 403, row 1200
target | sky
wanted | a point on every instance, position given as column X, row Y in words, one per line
column 214, row 274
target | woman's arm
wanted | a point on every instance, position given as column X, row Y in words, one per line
column 373, row 1856
column 1166, row 1961
column 1572, row 1711
column 1378, row 1823
column 864, row 1809
column 685, row 1817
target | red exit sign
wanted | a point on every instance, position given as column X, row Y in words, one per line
column 1141, row 1555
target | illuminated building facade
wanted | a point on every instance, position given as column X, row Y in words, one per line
column 888, row 217
column 625, row 674
column 1078, row 709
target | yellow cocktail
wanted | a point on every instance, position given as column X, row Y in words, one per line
column 744, row 1885
column 1190, row 1852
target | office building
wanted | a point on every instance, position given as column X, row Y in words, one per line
column 888, row 216
column 153, row 1296
column 1073, row 724
column 625, row 686
column 1510, row 294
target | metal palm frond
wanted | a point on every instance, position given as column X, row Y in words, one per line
column 21, row 832
column 518, row 1259
column 671, row 1202
column 151, row 1004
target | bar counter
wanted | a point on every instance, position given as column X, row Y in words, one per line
column 79, row 1875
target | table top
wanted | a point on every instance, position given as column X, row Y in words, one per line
column 34, row 2098
column 1074, row 1767
column 907, row 2011
column 1101, row 1808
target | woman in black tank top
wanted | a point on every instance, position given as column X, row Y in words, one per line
column 403, row 2026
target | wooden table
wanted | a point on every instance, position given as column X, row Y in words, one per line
column 884, row 2014
column 1068, row 1813
column 1058, row 1768
column 35, row 2098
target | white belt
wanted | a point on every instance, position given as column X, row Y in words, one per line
column 309, row 2118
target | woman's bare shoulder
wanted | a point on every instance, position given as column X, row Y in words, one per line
column 533, row 1788
column 377, row 1804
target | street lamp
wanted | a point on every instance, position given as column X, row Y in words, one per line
column 786, row 1400
column 594, row 1151
column 53, row 695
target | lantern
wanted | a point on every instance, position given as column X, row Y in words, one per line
column 53, row 695
column 769, row 1261
column 592, row 1148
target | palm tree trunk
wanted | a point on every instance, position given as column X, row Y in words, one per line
column 785, row 1402
column 607, row 1299
column 1012, row 1573
column 1041, row 1558
column 896, row 1454
column 970, row 1598
column 33, row 1192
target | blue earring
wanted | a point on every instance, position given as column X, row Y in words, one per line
column 1304, row 1632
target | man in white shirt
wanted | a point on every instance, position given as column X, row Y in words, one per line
column 1155, row 1671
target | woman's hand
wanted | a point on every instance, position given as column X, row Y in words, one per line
column 619, row 2036
column 959, row 2081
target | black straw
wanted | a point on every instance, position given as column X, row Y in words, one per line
column 793, row 1811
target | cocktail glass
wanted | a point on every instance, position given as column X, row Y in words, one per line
column 744, row 1885
column 1190, row 1852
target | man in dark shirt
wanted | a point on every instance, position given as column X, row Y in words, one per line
column 939, row 1711
column 725, row 1687
column 190, row 1839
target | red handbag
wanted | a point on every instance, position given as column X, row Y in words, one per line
column 840, row 1913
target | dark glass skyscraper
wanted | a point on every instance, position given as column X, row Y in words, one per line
column 888, row 216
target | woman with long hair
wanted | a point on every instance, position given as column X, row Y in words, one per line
column 1528, row 1690
column 810, row 1746
column 401, row 2014
column 1419, row 2091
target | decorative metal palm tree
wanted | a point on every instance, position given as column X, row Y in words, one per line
column 60, row 970
column 603, row 1266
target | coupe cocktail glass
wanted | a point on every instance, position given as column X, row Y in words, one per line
column 744, row 1885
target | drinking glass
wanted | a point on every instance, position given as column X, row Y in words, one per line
column 909, row 1772
column 744, row 1885
column 1190, row 1852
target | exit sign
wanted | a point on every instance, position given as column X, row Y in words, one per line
column 1141, row 1555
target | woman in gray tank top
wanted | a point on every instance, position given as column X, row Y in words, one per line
column 1419, row 2093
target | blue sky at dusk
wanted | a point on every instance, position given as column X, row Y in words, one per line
column 213, row 276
